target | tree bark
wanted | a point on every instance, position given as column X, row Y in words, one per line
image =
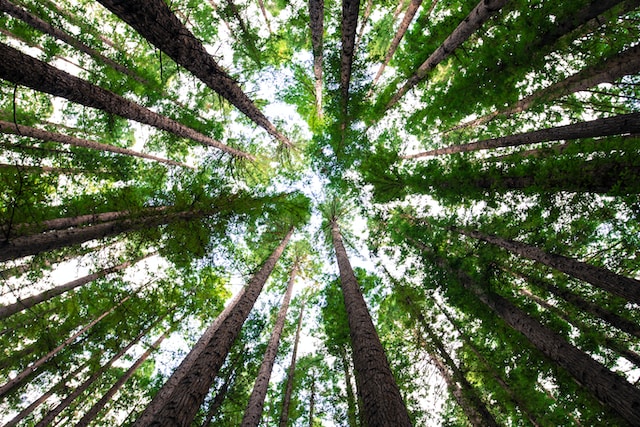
column 286, row 401
column 155, row 22
column 25, row 70
column 363, row 23
column 264, row 14
column 352, row 409
column 221, row 393
column 350, row 10
column 617, row 125
column 186, row 392
column 312, row 401
column 316, row 23
column 607, row 280
column 383, row 405
column 42, row 135
column 28, row 302
column 253, row 413
column 478, row 16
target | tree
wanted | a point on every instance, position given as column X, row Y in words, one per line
column 286, row 400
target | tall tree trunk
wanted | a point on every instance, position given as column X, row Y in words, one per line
column 312, row 400
column 187, row 390
column 25, row 70
column 28, row 302
column 12, row 128
column 216, row 403
column 286, row 401
column 253, row 413
column 155, row 22
column 607, row 280
column 44, row 264
column 25, row 373
column 612, row 69
column 352, row 409
column 350, row 10
column 264, row 14
column 52, row 414
column 97, row 407
column 316, row 23
column 478, row 16
column 383, row 405
column 363, row 23
column 617, row 125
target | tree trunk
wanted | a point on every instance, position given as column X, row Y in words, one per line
column 47, row 420
column 623, row 64
column 155, row 22
column 25, row 70
column 607, row 280
column 617, row 125
column 478, row 16
column 28, row 302
column 253, row 413
column 286, row 402
column 312, row 400
column 12, row 128
column 264, row 13
column 97, row 407
column 25, row 373
column 217, row 401
column 316, row 23
column 383, row 405
column 187, row 390
column 363, row 23
column 350, row 10
column 352, row 412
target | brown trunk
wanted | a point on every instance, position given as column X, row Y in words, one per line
column 12, row 128
column 28, row 302
column 221, row 393
column 316, row 23
column 363, row 24
column 44, row 264
column 264, row 13
column 350, row 10
column 52, row 414
column 352, row 415
column 178, row 405
column 624, row 287
column 253, row 413
column 478, row 16
column 383, row 405
column 28, row 71
column 617, row 125
column 312, row 400
column 286, row 402
column 97, row 407
column 623, row 64
column 155, row 22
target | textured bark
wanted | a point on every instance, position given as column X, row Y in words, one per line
column 186, row 393
column 43, row 135
column 25, row 70
column 286, row 401
column 350, row 10
column 352, row 413
column 478, row 16
column 623, row 64
column 253, row 413
column 28, row 302
column 155, row 22
column 617, row 125
column 607, row 280
column 383, row 405
column 316, row 23
column 221, row 393
column 97, row 407
column 25, row 373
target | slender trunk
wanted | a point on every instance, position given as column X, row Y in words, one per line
column 43, row 264
column 350, row 10
column 617, row 125
column 97, row 407
column 52, row 414
column 248, row 40
column 187, row 391
column 607, row 280
column 253, row 413
column 286, row 402
column 383, row 405
column 478, row 16
column 25, row 70
column 154, row 21
column 312, row 400
column 623, row 64
column 352, row 413
column 217, row 401
column 363, row 24
column 28, row 302
column 12, row 128
column 264, row 13
column 25, row 373
column 316, row 23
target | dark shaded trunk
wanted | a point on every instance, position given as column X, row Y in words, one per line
column 478, row 16
column 42, row 135
column 216, row 403
column 188, row 386
column 25, row 70
column 312, row 401
column 286, row 401
column 352, row 412
column 253, row 413
column 363, row 23
column 28, row 302
column 607, row 280
column 155, row 22
column 617, row 125
column 350, row 10
column 316, row 23
column 383, row 405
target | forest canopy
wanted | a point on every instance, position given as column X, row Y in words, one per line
column 319, row 213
